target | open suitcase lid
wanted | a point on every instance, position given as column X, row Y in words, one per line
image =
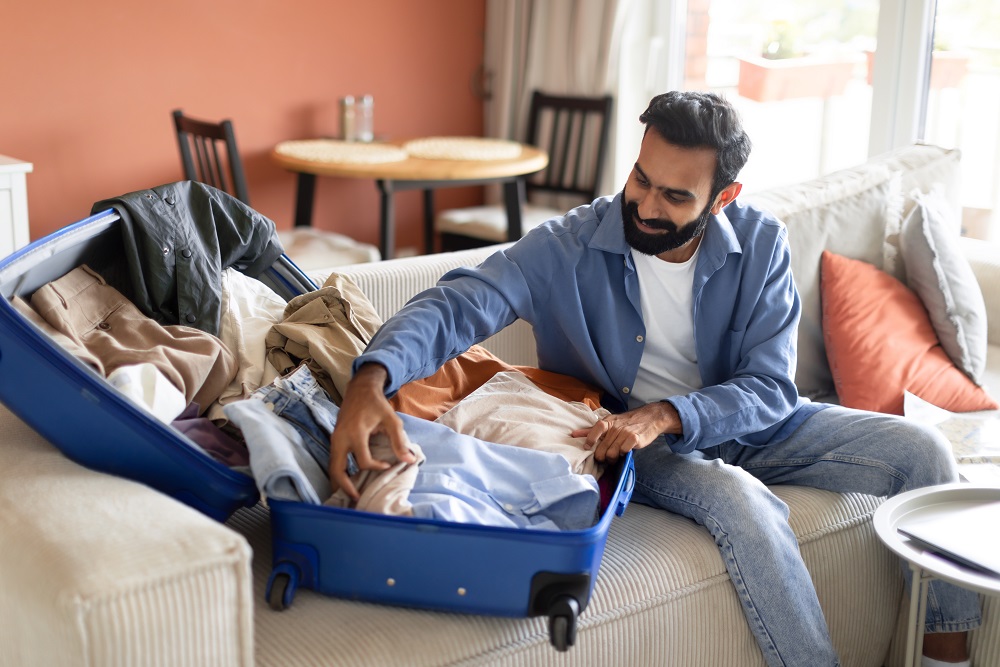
column 84, row 416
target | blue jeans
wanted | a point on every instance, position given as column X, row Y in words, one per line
column 287, row 426
column 837, row 449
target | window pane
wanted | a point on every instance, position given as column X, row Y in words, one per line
column 963, row 104
column 798, row 71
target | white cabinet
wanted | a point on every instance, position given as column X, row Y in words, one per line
column 14, row 231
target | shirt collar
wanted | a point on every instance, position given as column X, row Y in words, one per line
column 610, row 237
column 718, row 241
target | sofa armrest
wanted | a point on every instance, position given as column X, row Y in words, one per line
column 390, row 284
column 100, row 570
column 985, row 260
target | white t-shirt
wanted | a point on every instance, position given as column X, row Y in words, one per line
column 669, row 365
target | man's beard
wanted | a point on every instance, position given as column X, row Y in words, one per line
column 671, row 239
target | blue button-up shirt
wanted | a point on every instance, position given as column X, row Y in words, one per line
column 574, row 281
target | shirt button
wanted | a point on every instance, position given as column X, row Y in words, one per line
column 638, row 338
column 508, row 507
column 190, row 318
column 186, row 254
column 625, row 390
column 166, row 251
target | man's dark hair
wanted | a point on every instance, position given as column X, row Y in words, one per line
column 693, row 119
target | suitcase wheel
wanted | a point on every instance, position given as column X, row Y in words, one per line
column 562, row 622
column 281, row 587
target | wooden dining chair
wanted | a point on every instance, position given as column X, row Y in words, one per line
column 574, row 132
column 209, row 155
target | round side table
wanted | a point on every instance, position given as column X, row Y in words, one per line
column 926, row 566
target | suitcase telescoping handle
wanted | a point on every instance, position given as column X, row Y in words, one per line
column 627, row 488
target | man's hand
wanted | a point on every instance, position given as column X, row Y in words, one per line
column 364, row 412
column 615, row 435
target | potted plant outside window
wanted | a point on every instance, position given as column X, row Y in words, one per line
column 784, row 71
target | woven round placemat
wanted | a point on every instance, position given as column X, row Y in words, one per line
column 333, row 150
column 463, row 148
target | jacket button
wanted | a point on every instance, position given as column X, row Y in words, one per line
column 104, row 326
column 186, row 254
column 169, row 199
column 190, row 318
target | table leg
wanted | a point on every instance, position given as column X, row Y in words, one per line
column 428, row 221
column 388, row 237
column 917, row 616
column 513, row 198
column 305, row 194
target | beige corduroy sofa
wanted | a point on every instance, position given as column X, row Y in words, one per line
column 97, row 570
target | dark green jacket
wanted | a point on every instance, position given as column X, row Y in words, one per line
column 178, row 238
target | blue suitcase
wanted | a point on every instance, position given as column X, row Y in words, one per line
column 462, row 568
column 345, row 553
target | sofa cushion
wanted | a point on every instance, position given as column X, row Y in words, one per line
column 941, row 276
column 880, row 343
column 855, row 213
column 101, row 570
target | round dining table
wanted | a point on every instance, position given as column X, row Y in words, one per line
column 407, row 172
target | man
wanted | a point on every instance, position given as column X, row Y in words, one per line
column 678, row 303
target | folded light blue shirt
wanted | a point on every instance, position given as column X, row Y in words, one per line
column 473, row 481
column 572, row 278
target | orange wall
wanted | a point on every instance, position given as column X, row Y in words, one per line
column 86, row 91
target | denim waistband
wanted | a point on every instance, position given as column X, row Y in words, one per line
column 299, row 384
column 300, row 400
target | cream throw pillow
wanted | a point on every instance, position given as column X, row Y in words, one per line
column 941, row 276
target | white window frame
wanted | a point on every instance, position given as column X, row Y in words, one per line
column 901, row 73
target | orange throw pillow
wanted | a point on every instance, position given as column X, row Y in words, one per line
column 880, row 343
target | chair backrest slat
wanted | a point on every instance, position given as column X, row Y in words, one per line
column 220, row 176
column 205, row 171
column 207, row 149
column 575, row 131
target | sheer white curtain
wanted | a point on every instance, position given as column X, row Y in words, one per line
column 563, row 47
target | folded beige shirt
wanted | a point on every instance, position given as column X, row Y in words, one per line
column 510, row 409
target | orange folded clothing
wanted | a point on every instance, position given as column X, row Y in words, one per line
column 434, row 395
